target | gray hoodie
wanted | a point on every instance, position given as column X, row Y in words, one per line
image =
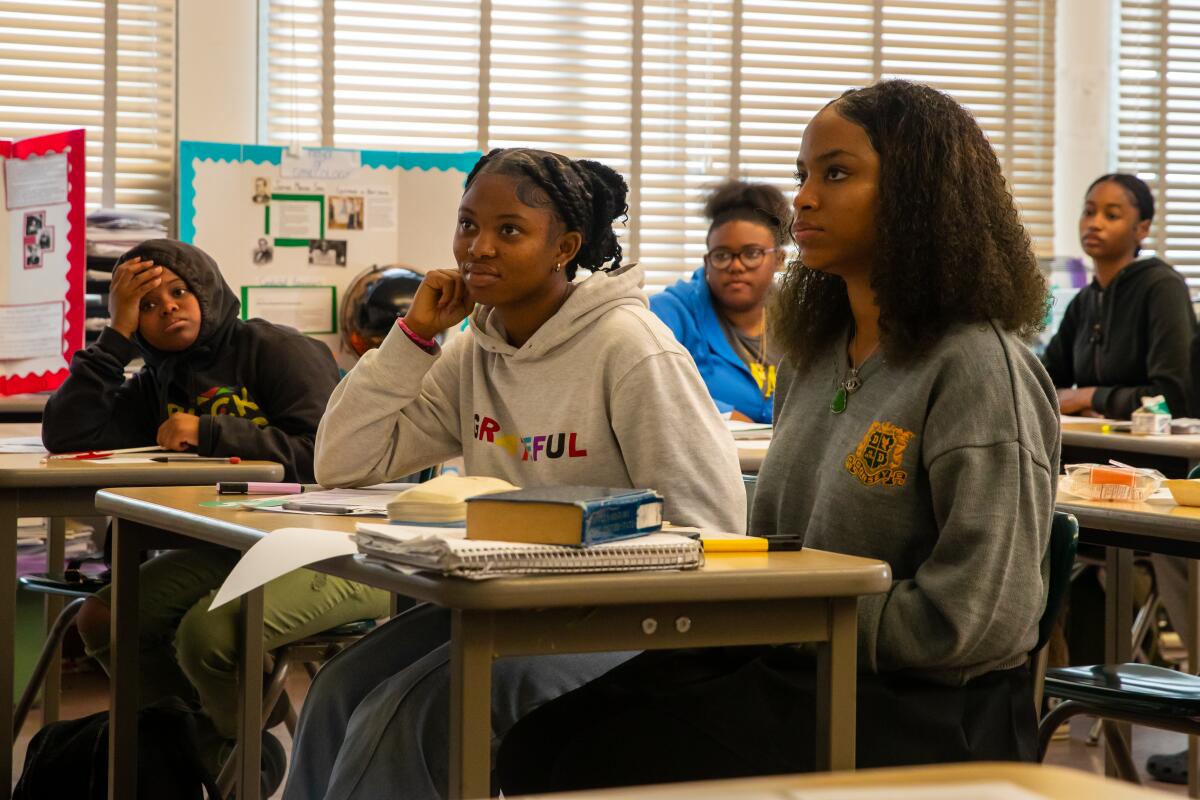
column 600, row 395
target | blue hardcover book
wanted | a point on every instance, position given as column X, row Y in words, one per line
column 570, row 515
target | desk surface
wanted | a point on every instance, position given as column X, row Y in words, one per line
column 26, row 470
column 1162, row 519
column 727, row 576
column 1057, row 783
column 23, row 403
column 1090, row 434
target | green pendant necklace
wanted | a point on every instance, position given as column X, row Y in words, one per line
column 849, row 384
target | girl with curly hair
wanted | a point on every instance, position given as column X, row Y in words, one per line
column 912, row 425
column 719, row 315
column 558, row 382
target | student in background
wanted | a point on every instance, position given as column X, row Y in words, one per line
column 582, row 368
column 1127, row 334
column 719, row 315
column 912, row 425
column 217, row 386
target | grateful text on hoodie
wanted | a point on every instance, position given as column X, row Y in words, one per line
column 687, row 309
column 258, row 388
column 600, row 395
column 1131, row 339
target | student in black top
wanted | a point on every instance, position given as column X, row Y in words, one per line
column 1127, row 334
column 217, row 386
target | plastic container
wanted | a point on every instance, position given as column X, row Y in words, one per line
column 1103, row 482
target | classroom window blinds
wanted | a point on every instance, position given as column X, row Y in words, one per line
column 1159, row 121
column 105, row 66
column 673, row 93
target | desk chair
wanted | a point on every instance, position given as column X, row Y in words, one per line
column 73, row 584
column 1064, row 539
column 1137, row 693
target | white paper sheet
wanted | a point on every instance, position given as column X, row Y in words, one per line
column 296, row 219
column 308, row 309
column 33, row 330
column 36, row 181
column 22, row 444
column 320, row 162
column 278, row 553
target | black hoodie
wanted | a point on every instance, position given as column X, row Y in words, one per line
column 259, row 389
column 1129, row 340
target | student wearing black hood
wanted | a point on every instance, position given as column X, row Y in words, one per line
column 221, row 387
column 1128, row 332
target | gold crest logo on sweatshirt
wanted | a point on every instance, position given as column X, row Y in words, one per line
column 880, row 455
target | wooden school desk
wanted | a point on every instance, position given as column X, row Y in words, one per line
column 1172, row 454
column 1154, row 527
column 735, row 599
column 1052, row 783
column 29, row 488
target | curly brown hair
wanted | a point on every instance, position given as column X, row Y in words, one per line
column 951, row 247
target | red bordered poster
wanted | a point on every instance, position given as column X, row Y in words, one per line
column 42, row 241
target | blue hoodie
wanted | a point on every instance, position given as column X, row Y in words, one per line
column 687, row 309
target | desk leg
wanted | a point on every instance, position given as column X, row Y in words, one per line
column 837, row 674
column 8, row 620
column 124, row 669
column 471, row 653
column 1192, row 639
column 250, row 700
column 1118, row 618
column 56, row 540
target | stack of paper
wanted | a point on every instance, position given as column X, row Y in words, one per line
column 748, row 430
column 448, row 551
column 442, row 500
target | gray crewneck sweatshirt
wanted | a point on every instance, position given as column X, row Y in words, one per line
column 946, row 469
column 600, row 395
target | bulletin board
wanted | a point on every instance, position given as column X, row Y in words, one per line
column 292, row 229
column 42, row 198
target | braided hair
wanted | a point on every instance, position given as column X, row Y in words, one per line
column 587, row 196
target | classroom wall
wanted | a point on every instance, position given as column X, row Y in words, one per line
column 1085, row 108
column 217, row 98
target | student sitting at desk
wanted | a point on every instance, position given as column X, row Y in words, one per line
column 719, row 315
column 558, row 382
column 912, row 425
column 221, row 387
column 1128, row 333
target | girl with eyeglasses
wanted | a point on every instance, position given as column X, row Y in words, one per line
column 719, row 314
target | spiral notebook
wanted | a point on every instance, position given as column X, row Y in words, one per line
column 448, row 551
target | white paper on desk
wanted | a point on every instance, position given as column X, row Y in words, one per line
column 976, row 790
column 22, row 444
column 278, row 553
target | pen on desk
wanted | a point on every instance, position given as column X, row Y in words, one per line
column 192, row 459
column 316, row 508
column 260, row 487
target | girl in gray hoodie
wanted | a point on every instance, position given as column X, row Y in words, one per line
column 912, row 425
column 557, row 382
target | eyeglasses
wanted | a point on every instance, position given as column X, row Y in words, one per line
column 751, row 257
